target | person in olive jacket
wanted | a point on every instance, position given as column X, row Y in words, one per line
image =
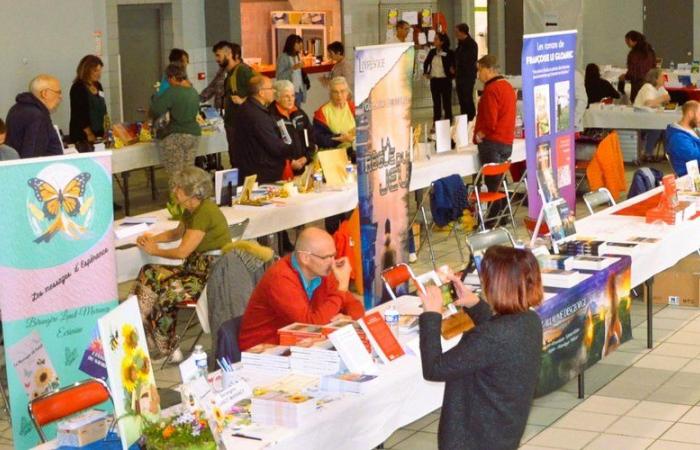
column 491, row 374
column 440, row 72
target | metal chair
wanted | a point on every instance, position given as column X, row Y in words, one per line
column 597, row 198
column 396, row 276
column 67, row 401
column 236, row 230
column 478, row 243
column 489, row 198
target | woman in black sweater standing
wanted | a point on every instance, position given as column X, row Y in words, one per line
column 440, row 72
column 87, row 104
column 491, row 374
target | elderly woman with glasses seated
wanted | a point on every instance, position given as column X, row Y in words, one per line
column 294, row 125
column 201, row 233
column 308, row 286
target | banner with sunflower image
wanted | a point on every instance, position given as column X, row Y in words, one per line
column 57, row 272
column 129, row 370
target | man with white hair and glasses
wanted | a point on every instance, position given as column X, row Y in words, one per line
column 30, row 130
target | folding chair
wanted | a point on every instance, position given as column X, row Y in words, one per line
column 489, row 198
column 597, row 198
column 199, row 307
column 518, row 188
column 478, row 243
column 67, row 401
column 396, row 276
column 426, row 224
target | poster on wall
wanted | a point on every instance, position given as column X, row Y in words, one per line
column 383, row 87
column 584, row 324
column 58, row 272
column 548, row 64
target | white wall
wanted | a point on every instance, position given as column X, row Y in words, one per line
column 46, row 36
column 49, row 36
column 605, row 23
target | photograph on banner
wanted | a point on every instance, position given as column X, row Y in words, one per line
column 548, row 68
column 59, row 272
column 561, row 95
column 545, row 173
column 584, row 324
column 542, row 113
column 129, row 369
column 383, row 88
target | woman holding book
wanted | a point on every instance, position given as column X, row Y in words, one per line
column 491, row 374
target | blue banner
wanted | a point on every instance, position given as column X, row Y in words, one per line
column 548, row 65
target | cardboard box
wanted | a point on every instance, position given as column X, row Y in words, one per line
column 679, row 285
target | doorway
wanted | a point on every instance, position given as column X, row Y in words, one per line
column 668, row 25
column 141, row 44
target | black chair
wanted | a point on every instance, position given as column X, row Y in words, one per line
column 227, row 340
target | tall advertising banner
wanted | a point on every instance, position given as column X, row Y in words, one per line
column 58, row 276
column 548, row 65
column 383, row 76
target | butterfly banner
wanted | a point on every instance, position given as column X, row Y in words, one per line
column 57, row 272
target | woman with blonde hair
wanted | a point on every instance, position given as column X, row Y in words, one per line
column 201, row 233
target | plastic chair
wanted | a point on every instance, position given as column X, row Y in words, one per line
column 597, row 198
column 67, row 401
column 489, row 198
column 200, row 307
column 396, row 276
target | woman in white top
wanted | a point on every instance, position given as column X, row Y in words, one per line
column 652, row 95
column 439, row 68
column 289, row 66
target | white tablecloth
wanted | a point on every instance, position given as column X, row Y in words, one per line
column 676, row 241
column 142, row 155
column 463, row 162
column 292, row 212
column 624, row 117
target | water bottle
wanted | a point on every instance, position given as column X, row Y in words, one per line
column 672, row 66
column 391, row 317
column 350, row 174
column 200, row 360
column 318, row 181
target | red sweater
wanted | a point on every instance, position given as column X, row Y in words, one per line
column 495, row 116
column 280, row 299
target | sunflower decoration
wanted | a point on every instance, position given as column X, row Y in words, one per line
column 130, row 376
column 131, row 338
column 297, row 398
column 143, row 364
column 42, row 378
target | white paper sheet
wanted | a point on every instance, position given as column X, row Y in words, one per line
column 442, row 136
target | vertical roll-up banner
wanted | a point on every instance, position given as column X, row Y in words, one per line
column 383, row 77
column 58, row 276
column 548, row 66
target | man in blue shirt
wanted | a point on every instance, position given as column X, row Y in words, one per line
column 682, row 142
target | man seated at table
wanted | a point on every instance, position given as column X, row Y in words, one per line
column 308, row 286
column 334, row 122
column 682, row 143
column 260, row 147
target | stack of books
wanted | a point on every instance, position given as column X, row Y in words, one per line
column 293, row 333
column 347, row 382
column 582, row 247
column 267, row 357
column 282, row 409
column 315, row 356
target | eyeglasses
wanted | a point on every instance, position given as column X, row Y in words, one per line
column 323, row 258
column 58, row 92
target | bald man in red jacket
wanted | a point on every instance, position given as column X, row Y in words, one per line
column 308, row 286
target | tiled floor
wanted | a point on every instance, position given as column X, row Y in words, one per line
column 635, row 398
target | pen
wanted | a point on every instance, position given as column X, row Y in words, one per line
column 246, row 437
